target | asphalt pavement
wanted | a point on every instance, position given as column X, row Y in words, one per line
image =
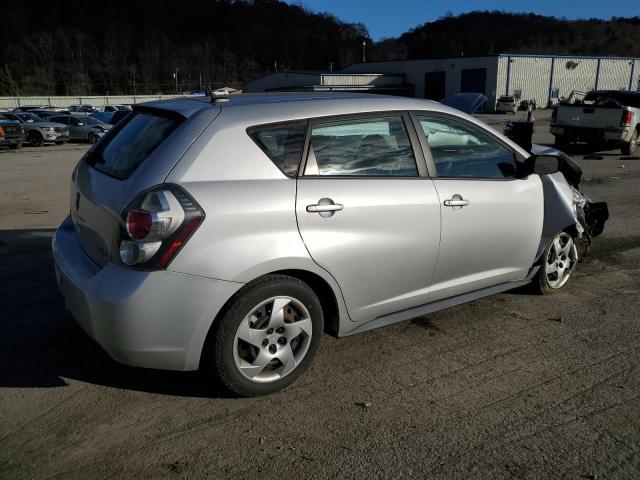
column 511, row 386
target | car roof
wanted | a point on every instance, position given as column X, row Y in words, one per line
column 291, row 105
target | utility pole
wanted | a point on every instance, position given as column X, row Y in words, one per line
column 364, row 52
column 134, row 79
column 175, row 75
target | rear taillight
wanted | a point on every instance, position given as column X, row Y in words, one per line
column 627, row 118
column 1, row 132
column 157, row 225
column 138, row 224
column 554, row 114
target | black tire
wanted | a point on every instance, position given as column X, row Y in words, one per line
column 541, row 282
column 93, row 138
column 35, row 139
column 631, row 147
column 218, row 353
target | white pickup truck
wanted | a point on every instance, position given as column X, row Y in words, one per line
column 604, row 117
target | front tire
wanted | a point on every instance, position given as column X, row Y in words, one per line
column 36, row 140
column 559, row 261
column 266, row 337
column 93, row 138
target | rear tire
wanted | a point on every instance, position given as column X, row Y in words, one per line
column 266, row 336
column 559, row 261
column 631, row 147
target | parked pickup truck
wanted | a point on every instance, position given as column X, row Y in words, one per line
column 604, row 117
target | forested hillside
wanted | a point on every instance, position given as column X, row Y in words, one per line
column 135, row 46
column 114, row 46
column 489, row 33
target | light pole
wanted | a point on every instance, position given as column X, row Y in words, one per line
column 364, row 51
column 175, row 75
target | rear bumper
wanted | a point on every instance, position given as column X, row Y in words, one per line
column 148, row 319
column 614, row 135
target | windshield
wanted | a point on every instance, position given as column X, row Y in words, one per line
column 91, row 121
column 30, row 117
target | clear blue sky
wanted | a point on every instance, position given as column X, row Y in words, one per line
column 390, row 18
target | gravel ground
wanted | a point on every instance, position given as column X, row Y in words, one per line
column 511, row 386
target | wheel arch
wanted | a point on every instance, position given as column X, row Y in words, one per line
column 325, row 293
column 329, row 300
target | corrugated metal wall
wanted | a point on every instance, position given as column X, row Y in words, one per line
column 531, row 75
column 573, row 73
column 376, row 79
column 615, row 75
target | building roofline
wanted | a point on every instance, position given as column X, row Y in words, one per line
column 523, row 55
column 584, row 57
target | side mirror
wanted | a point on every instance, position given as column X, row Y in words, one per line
column 540, row 164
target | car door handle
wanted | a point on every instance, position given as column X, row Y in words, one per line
column 456, row 201
column 328, row 207
column 325, row 207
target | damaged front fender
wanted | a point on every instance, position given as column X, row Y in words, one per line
column 565, row 207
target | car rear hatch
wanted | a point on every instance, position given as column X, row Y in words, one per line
column 133, row 156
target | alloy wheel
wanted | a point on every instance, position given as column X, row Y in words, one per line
column 560, row 261
column 273, row 339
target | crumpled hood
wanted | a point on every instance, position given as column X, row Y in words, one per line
column 465, row 102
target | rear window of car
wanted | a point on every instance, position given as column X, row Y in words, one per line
column 282, row 143
column 128, row 144
column 505, row 99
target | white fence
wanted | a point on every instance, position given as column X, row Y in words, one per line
column 96, row 101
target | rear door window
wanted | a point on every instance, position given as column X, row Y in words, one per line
column 131, row 142
column 361, row 147
column 282, row 143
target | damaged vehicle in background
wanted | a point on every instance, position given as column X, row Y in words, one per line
column 229, row 235
column 83, row 128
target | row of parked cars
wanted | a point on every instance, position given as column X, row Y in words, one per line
column 37, row 125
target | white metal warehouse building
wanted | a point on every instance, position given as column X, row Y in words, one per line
column 544, row 78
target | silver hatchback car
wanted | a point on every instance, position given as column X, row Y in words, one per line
column 229, row 234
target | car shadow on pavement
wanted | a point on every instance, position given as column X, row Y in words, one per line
column 42, row 346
